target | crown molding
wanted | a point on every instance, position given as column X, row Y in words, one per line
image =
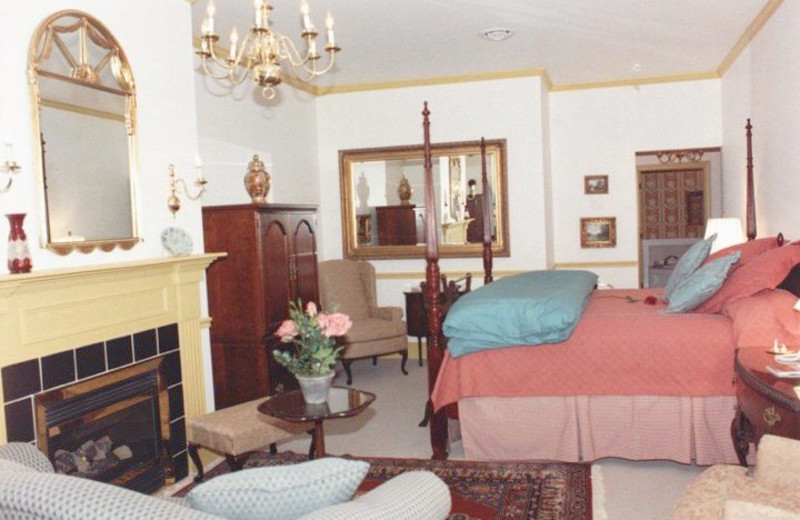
column 422, row 82
column 752, row 30
column 634, row 82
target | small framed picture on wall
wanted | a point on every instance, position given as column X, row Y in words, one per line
column 595, row 184
column 599, row 232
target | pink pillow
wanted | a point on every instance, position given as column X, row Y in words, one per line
column 749, row 249
column 764, row 317
column 765, row 271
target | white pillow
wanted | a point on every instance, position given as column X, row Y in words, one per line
column 280, row 492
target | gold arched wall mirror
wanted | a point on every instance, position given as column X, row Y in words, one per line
column 383, row 193
column 84, row 122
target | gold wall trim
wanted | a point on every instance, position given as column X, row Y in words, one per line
column 602, row 265
column 47, row 312
column 422, row 82
column 752, row 30
column 451, row 275
column 632, row 82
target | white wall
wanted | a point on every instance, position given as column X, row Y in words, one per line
column 509, row 109
column 599, row 131
column 233, row 124
column 763, row 84
column 160, row 51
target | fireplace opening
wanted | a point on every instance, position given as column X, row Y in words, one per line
column 113, row 428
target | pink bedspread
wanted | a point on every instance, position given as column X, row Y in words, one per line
column 618, row 348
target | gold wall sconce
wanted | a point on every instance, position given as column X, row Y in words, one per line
column 177, row 185
column 9, row 167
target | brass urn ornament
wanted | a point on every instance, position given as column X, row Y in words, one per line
column 256, row 181
column 404, row 190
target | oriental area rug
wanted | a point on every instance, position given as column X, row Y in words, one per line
column 480, row 490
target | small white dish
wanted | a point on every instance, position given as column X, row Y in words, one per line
column 176, row 241
column 787, row 358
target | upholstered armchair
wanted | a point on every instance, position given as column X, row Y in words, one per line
column 730, row 492
column 349, row 287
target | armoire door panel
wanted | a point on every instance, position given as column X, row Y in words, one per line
column 275, row 258
column 305, row 253
column 242, row 369
column 233, row 302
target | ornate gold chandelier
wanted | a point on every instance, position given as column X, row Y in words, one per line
column 263, row 50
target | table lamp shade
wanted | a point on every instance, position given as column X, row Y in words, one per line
column 728, row 230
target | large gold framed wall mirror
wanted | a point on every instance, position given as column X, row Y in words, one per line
column 83, row 100
column 383, row 193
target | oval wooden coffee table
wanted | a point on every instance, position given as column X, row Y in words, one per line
column 342, row 402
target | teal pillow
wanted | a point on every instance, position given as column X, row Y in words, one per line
column 688, row 263
column 701, row 284
column 280, row 492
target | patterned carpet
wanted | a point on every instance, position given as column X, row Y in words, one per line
column 480, row 490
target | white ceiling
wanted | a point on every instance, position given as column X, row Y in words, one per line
column 574, row 41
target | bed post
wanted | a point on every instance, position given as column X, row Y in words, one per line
column 751, row 198
column 487, row 218
column 438, row 422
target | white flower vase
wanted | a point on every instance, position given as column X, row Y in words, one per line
column 315, row 388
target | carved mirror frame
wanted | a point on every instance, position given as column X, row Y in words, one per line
column 354, row 224
column 48, row 46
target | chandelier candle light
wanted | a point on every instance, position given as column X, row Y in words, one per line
column 263, row 50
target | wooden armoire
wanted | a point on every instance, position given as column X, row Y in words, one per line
column 272, row 260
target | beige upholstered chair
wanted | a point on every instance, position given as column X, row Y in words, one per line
column 729, row 492
column 349, row 287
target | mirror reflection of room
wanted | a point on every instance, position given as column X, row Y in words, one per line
column 390, row 207
column 383, row 200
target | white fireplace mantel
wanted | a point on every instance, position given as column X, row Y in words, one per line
column 47, row 312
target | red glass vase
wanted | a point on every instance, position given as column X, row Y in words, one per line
column 19, row 256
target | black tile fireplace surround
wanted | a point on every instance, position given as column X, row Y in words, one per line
column 23, row 381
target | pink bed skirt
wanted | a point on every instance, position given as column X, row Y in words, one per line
column 587, row 428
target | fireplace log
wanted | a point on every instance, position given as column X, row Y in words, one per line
column 123, row 452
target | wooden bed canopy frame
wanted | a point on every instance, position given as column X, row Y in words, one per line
column 439, row 296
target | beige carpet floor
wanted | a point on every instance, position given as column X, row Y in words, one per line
column 623, row 490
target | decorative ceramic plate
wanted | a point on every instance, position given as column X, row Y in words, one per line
column 176, row 241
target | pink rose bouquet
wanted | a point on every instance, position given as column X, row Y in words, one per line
column 312, row 335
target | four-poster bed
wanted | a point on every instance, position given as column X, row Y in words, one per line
column 631, row 382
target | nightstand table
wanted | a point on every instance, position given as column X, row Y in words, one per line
column 416, row 318
column 766, row 404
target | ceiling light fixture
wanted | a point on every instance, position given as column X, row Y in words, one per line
column 497, row 34
column 263, row 50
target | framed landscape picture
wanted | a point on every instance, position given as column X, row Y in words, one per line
column 595, row 184
column 599, row 232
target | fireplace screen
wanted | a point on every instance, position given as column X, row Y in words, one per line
column 113, row 428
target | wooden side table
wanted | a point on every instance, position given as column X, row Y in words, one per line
column 342, row 402
column 416, row 318
column 766, row 404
